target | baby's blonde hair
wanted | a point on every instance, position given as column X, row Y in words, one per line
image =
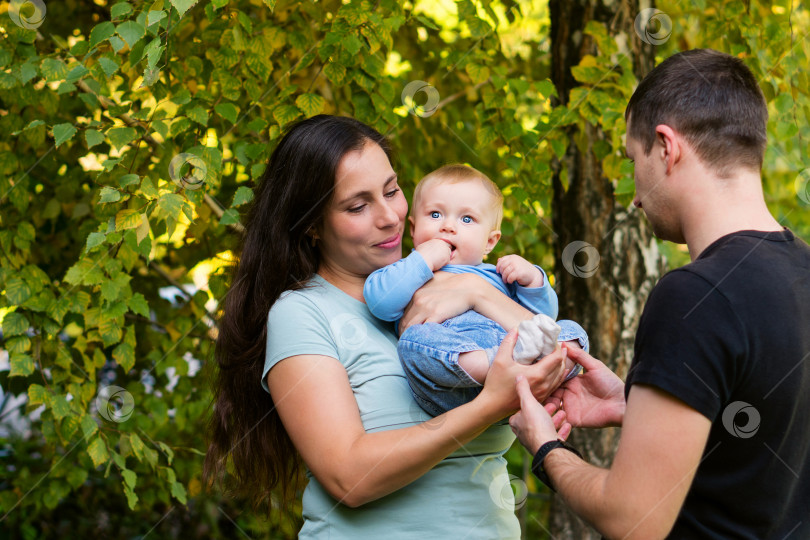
column 455, row 174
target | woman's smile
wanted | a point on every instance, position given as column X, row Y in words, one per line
column 391, row 242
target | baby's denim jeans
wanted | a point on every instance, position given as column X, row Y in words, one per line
column 429, row 354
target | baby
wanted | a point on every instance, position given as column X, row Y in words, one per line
column 455, row 221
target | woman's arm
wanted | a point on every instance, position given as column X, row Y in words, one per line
column 448, row 295
column 316, row 404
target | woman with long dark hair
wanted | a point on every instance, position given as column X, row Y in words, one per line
column 306, row 373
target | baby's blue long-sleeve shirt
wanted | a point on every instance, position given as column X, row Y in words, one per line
column 388, row 291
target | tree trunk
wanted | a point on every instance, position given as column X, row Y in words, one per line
column 604, row 287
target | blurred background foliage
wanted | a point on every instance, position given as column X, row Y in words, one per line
column 131, row 134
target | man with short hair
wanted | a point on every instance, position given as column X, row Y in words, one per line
column 715, row 441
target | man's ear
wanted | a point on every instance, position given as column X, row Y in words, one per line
column 669, row 145
column 494, row 236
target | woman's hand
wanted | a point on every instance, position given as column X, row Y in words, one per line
column 543, row 377
column 594, row 399
column 443, row 297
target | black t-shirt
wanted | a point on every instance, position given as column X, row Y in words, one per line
column 729, row 335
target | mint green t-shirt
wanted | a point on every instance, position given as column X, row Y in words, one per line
column 467, row 495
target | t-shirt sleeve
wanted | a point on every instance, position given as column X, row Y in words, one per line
column 689, row 343
column 388, row 291
column 295, row 325
column 538, row 299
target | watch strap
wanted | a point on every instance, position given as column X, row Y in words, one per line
column 540, row 456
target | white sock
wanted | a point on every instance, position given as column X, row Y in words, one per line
column 537, row 337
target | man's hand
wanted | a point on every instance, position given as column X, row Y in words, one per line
column 533, row 424
column 594, row 399
column 435, row 252
column 515, row 268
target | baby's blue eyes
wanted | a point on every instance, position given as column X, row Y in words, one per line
column 464, row 219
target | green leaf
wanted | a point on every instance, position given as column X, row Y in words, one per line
column 98, row 451
column 137, row 304
column 101, row 32
column 243, row 195
column 93, row 137
column 121, row 136
column 124, row 354
column 199, row 115
column 351, row 44
column 76, row 476
column 26, row 232
column 284, row 114
column 17, row 290
column 310, row 104
column 110, row 290
column 59, row 406
column 37, row 395
column 335, row 72
column 131, row 32
column 19, row 344
column 95, row 239
column 179, row 492
column 127, row 219
column 478, row 27
column 128, row 180
column 77, row 73
column 63, row 133
column 109, row 66
column 625, row 186
column 427, row 22
column 14, row 324
column 154, row 16
column 182, row 5
column 129, row 477
column 89, row 425
column 228, row 111
column 167, row 450
column 119, row 10
column 229, row 217
column 53, row 69
column 170, row 205
column 132, row 499
column 21, row 365
column 109, row 194
column 477, row 73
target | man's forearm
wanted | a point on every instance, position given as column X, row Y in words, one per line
column 580, row 484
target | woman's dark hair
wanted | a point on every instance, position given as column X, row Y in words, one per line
column 274, row 254
column 713, row 100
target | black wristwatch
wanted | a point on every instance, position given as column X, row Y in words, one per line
column 540, row 456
